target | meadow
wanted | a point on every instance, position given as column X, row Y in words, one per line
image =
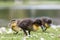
column 50, row 34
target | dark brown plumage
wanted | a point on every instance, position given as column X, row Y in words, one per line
column 27, row 25
column 32, row 25
column 46, row 23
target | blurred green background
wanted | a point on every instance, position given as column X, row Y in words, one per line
column 7, row 11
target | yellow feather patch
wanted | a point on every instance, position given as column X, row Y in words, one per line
column 47, row 26
column 13, row 24
column 35, row 27
column 15, row 27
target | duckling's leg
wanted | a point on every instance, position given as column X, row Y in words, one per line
column 43, row 28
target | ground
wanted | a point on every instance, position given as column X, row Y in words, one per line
column 50, row 34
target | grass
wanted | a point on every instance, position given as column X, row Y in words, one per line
column 11, row 3
column 50, row 34
column 8, row 4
